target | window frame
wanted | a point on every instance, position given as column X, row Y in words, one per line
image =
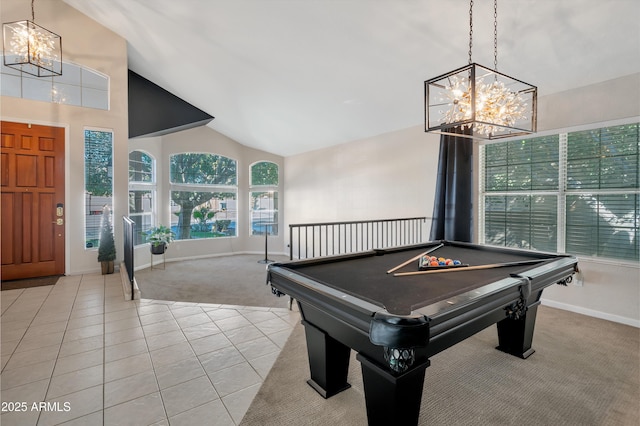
column 150, row 186
column 203, row 187
column 79, row 86
column 273, row 201
column 562, row 193
column 88, row 196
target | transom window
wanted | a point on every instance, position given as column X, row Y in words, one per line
column 78, row 86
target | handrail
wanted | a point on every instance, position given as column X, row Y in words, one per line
column 129, row 244
column 331, row 238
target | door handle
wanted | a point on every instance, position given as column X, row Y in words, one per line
column 58, row 221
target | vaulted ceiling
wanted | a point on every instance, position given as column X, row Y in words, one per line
column 289, row 76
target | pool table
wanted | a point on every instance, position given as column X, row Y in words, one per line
column 396, row 319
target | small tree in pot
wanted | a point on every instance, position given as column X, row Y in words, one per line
column 107, row 247
column 160, row 237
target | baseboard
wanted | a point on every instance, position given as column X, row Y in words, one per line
column 91, row 271
column 591, row 313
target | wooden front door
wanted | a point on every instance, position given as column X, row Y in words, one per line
column 32, row 214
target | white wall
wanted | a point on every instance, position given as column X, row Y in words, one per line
column 393, row 175
column 82, row 39
column 599, row 103
column 610, row 290
column 383, row 177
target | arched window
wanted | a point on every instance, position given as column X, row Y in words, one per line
column 204, row 191
column 142, row 193
column 264, row 198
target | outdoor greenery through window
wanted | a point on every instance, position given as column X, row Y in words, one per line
column 203, row 195
column 98, row 177
column 603, row 200
column 142, row 190
column 264, row 198
column 575, row 192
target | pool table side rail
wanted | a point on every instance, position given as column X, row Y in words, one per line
column 290, row 280
column 471, row 311
column 450, row 324
column 542, row 276
column 502, row 249
column 354, row 313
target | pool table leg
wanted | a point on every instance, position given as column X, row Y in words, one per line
column 515, row 336
column 328, row 362
column 391, row 399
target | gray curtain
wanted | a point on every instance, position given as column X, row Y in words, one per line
column 453, row 205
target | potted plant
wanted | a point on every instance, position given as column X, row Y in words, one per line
column 160, row 237
column 107, row 246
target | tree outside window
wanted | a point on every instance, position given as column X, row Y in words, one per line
column 576, row 192
column 264, row 198
column 203, row 196
column 603, row 192
column 98, row 181
column 264, row 173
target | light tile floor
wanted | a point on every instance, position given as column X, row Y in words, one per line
column 77, row 353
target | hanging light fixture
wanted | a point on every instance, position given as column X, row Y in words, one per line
column 488, row 104
column 32, row 49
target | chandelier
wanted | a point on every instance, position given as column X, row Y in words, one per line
column 32, row 49
column 490, row 104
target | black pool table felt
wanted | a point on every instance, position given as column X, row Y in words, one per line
column 366, row 277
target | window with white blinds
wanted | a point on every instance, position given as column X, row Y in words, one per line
column 575, row 192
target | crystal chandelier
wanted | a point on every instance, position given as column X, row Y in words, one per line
column 32, row 49
column 491, row 104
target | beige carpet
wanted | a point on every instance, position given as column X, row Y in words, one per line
column 585, row 371
column 229, row 280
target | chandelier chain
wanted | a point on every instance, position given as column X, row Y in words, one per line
column 488, row 104
column 495, row 35
column 470, row 29
column 33, row 12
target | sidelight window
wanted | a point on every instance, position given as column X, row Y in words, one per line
column 98, row 178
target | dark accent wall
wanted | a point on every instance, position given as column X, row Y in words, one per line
column 154, row 112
